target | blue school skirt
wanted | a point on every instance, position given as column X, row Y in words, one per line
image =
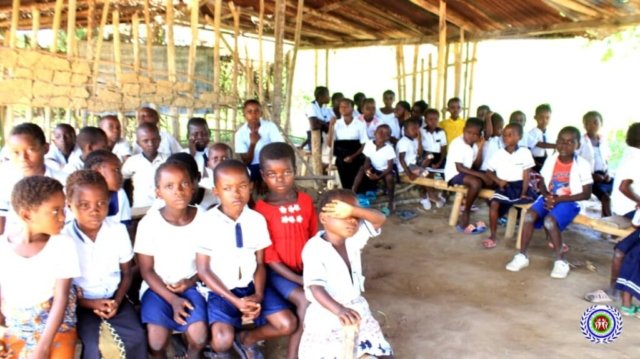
column 281, row 285
column 629, row 277
column 155, row 310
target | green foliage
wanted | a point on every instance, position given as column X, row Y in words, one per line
column 622, row 43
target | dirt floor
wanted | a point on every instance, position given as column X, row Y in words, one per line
column 439, row 294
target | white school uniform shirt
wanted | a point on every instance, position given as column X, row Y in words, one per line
column 324, row 267
column 173, row 248
column 533, row 137
column 122, row 149
column 410, row 148
column 142, row 173
column 579, row 176
column 269, row 133
column 233, row 265
column 459, row 152
column 356, row 130
column 390, row 120
column 27, row 282
column 323, row 113
column 490, row 147
column 433, row 142
column 100, row 260
column 199, row 156
column 627, row 170
column 124, row 208
column 379, row 157
column 524, row 141
column 168, row 145
column 55, row 158
column 370, row 126
column 597, row 156
column 511, row 166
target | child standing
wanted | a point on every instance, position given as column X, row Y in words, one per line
column 36, row 267
column 347, row 136
column 165, row 244
column 386, row 113
column 89, row 139
column 369, row 117
column 115, row 142
column 333, row 280
column 109, row 166
column 232, row 267
column 566, row 179
column 595, row 149
column 64, row 140
column 454, row 125
column 509, row 169
column 291, row 220
column 537, row 137
column 105, row 254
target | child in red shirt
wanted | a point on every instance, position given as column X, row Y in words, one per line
column 292, row 220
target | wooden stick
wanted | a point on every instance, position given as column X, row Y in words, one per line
column 216, row 64
column 278, row 58
column 90, row 29
column 326, row 67
column 98, row 52
column 117, row 54
column 15, row 13
column 472, row 73
column 315, row 67
column 236, row 63
column 403, row 71
column 292, row 64
column 399, row 72
column 442, row 62
column 191, row 66
column 458, row 65
column 430, row 80
column 57, row 16
column 414, row 78
column 171, row 66
column 71, row 28
column 35, row 26
column 260, row 55
column 149, row 39
column 446, row 80
column 465, row 82
column 422, row 79
column 135, row 32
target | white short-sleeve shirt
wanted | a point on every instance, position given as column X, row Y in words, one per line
column 598, row 156
column 142, row 173
column 356, row 130
column 391, row 120
column 490, row 147
column 122, row 149
column 409, row 147
column 371, row 126
column 75, row 162
column 535, row 136
column 100, row 261
column 379, row 157
column 579, row 176
column 433, row 142
column 235, row 266
column 55, row 158
column 627, row 170
column 323, row 113
column 173, row 248
column 27, row 282
column 510, row 166
column 268, row 133
column 324, row 267
column 459, row 152
column 168, row 145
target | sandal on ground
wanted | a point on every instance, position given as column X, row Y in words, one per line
column 598, row 296
column 386, row 211
column 179, row 347
column 628, row 311
column 481, row 225
column 565, row 247
column 489, row 243
column 246, row 351
column 471, row 229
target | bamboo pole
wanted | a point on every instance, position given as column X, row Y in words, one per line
column 98, row 52
column 465, row 81
column 292, row 64
column 149, row 39
column 117, row 54
column 422, row 79
column 171, row 65
column 458, row 65
column 216, row 64
column 398, row 72
column 315, row 67
column 90, row 28
column 71, row 28
column 55, row 28
column 403, row 71
column 278, row 58
column 414, row 78
column 430, row 81
column 442, row 44
column 474, row 52
column 15, row 14
column 260, row 55
column 446, row 78
column 35, row 26
column 135, row 33
column 191, row 66
column 326, row 68
column 236, row 62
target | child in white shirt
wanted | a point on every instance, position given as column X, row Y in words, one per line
column 168, row 144
column 521, row 119
column 64, row 140
column 434, row 145
column 347, row 136
column 537, row 138
column 89, row 139
column 115, row 142
column 109, row 166
column 494, row 141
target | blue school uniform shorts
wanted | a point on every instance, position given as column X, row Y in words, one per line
column 457, row 180
column 563, row 212
column 155, row 310
column 281, row 285
column 631, row 241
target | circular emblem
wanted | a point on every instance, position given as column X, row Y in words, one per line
column 601, row 324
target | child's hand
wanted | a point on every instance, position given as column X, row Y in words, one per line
column 372, row 176
column 112, row 311
column 249, row 308
column 180, row 308
column 524, row 196
column 254, row 135
column 348, row 316
column 181, row 286
column 338, row 209
column 100, row 307
column 348, row 159
column 549, row 201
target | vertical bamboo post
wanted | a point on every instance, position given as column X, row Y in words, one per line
column 414, row 78
column 135, row 33
column 55, row 28
column 71, row 28
column 15, row 14
column 442, row 62
column 117, row 54
column 315, row 73
column 474, row 52
column 171, row 65
column 465, row 81
column 446, row 77
column 35, row 26
column 278, row 58
column 422, row 78
column 98, row 52
column 216, row 64
column 236, row 62
column 90, row 28
column 326, row 67
column 458, row 68
column 191, row 66
column 47, row 120
column 430, row 82
column 292, row 64
column 149, row 39
column 260, row 56
column 398, row 72
column 403, row 71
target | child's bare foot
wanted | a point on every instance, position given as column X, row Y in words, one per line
column 489, row 243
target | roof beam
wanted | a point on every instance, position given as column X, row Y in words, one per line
column 577, row 7
column 452, row 17
column 397, row 20
column 335, row 5
column 365, row 43
column 334, row 22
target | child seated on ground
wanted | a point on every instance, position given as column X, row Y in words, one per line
column 454, row 125
column 64, row 140
column 231, row 264
column 105, row 258
column 434, row 145
column 168, row 144
column 36, row 267
column 460, row 170
column 141, row 167
column 537, row 137
column 291, row 220
column 378, row 165
column 198, row 134
column 347, row 136
column 566, row 180
column 166, row 253
column 369, row 118
column 109, row 166
column 509, row 169
column 334, row 282
column 115, row 142
column 595, row 149
column 89, row 139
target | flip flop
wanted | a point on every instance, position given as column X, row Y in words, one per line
column 480, row 225
column 565, row 247
column 598, row 296
column 489, row 243
column 386, row 211
column 471, row 229
column 406, row 214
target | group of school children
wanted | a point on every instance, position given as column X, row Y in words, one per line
column 218, row 271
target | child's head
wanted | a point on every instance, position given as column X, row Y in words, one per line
column 88, row 198
column 321, row 94
column 432, row 117
column 198, row 133
column 278, row 167
column 543, row 114
column 512, row 134
column 27, row 147
column 633, row 135
column 454, row 105
column 190, row 164
column 498, row 124
column 111, row 127
column 568, row 141
column 358, row 98
column 39, row 202
column 382, row 134
column 412, row 127
column 91, row 139
column 482, row 111
column 472, row 130
column 232, row 185
column 418, row 108
column 218, row 152
column 518, row 117
column 346, row 107
column 369, row 108
column 174, row 184
column 64, row 138
column 336, row 98
column 108, row 165
column 148, row 115
column 341, row 227
column 148, row 138
column 592, row 122
column 403, row 109
column 388, row 97
column 252, row 110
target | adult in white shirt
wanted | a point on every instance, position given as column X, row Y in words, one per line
column 116, row 143
column 64, row 144
column 168, row 144
column 198, row 135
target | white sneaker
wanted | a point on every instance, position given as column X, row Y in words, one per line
column 560, row 269
column 426, row 204
column 519, row 261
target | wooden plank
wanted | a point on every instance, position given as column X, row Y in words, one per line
column 456, row 19
column 35, row 27
column 278, row 58
column 135, row 33
column 149, row 38
column 292, row 64
column 71, row 28
column 442, row 44
column 15, row 14
column 57, row 16
column 117, row 51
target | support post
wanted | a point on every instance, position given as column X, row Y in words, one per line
column 292, row 64
column 217, row 13
column 149, row 39
column 430, row 82
column 414, row 77
column 260, row 57
column 71, row 28
column 458, row 65
column 57, row 17
column 236, row 63
column 135, row 32
column 35, row 26
column 278, row 58
column 442, row 48
column 472, row 73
